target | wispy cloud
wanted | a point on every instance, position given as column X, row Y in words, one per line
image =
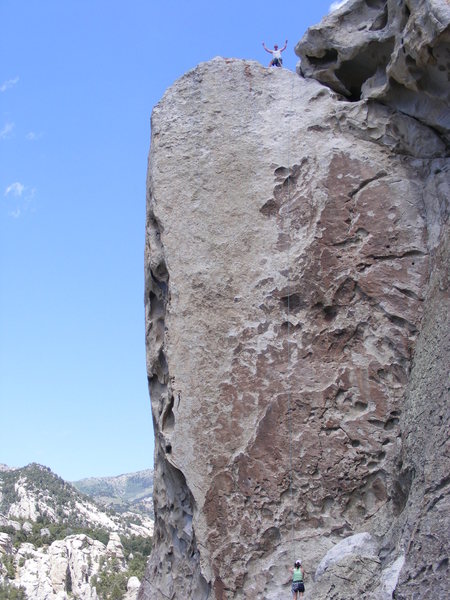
column 335, row 5
column 32, row 136
column 22, row 198
column 6, row 85
column 15, row 214
column 6, row 131
column 15, row 189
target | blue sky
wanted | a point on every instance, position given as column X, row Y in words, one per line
column 78, row 80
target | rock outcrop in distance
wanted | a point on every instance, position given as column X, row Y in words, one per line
column 297, row 317
column 129, row 491
column 56, row 543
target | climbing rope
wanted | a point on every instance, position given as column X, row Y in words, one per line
column 291, row 466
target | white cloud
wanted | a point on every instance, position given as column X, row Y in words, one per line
column 16, row 189
column 335, row 5
column 22, row 200
column 32, row 136
column 6, row 85
column 15, row 214
column 4, row 133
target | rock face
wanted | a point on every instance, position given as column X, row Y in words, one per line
column 296, row 314
column 394, row 51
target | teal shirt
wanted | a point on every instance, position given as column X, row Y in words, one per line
column 297, row 576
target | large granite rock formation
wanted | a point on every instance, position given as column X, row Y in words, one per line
column 49, row 540
column 65, row 569
column 297, row 336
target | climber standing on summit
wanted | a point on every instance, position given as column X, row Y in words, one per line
column 276, row 61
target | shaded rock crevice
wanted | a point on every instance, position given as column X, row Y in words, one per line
column 176, row 566
column 174, row 504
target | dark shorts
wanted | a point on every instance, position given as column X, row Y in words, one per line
column 277, row 62
column 298, row 586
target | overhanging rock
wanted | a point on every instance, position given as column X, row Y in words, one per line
column 393, row 51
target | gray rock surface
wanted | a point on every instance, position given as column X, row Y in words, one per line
column 389, row 578
column 394, row 51
column 425, row 456
column 359, row 544
column 291, row 237
column 133, row 586
column 5, row 522
column 353, row 577
column 27, row 527
column 5, row 543
column 355, row 560
column 114, row 547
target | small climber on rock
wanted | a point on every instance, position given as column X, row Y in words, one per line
column 276, row 61
column 298, row 575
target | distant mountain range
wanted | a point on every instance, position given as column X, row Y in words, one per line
column 58, row 542
column 131, row 491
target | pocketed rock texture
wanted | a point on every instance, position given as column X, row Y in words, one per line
column 291, row 237
column 394, row 51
